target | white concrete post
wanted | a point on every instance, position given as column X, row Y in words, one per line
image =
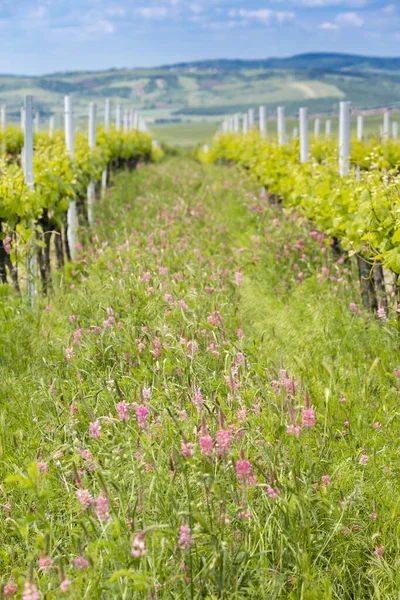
column 360, row 127
column 135, row 120
column 224, row 125
column 126, row 121
column 23, row 118
column 344, row 138
column 386, row 125
column 317, row 127
column 328, row 128
column 51, row 126
column 107, row 115
column 263, row 121
column 395, row 130
column 304, row 142
column 245, row 127
column 280, row 114
column 29, row 182
column 92, row 145
column 118, row 118
column 251, row 117
column 236, row 123
column 37, row 121
column 3, row 126
column 70, row 144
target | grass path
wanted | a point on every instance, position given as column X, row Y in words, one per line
column 196, row 412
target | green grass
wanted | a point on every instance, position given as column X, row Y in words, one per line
column 185, row 134
column 170, row 240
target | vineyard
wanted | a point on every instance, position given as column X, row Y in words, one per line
column 200, row 366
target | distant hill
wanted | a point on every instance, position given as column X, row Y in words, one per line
column 206, row 90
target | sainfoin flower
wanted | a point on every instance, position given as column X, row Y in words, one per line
column 185, row 537
column 198, row 400
column 30, row 591
column 364, row 459
column 123, row 411
column 223, row 441
column 243, row 470
column 10, row 589
column 187, row 449
column 142, row 414
column 45, row 563
column 102, row 508
column 379, row 551
column 308, row 418
column 95, row 429
column 138, row 546
column 85, row 498
column 206, row 444
column 81, row 563
column 64, row 585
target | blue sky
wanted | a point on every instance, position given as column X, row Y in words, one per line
column 42, row 36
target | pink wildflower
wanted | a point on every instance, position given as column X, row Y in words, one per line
column 95, row 429
column 85, row 498
column 69, row 353
column 379, row 552
column 308, row 418
column 81, row 563
column 206, row 444
column 64, row 585
column 138, row 546
column 198, row 398
column 102, row 508
column 273, row 493
column 364, row 459
column 142, row 414
column 185, row 537
column 354, row 308
column 293, row 430
column 238, row 278
column 72, row 318
column 146, row 393
column 43, row 467
column 381, row 313
column 45, row 563
column 377, row 425
column 223, row 441
column 10, row 589
column 187, row 449
column 240, row 333
column 325, row 481
column 123, row 411
column 30, row 591
column 243, row 470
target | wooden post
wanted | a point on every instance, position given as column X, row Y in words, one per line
column 51, row 126
column 281, row 125
column 29, row 182
column 317, row 127
column 304, row 142
column 360, row 128
column 344, row 138
column 118, row 118
column 3, row 126
column 263, row 121
column 386, row 125
column 70, row 144
column 92, row 145
column 328, row 128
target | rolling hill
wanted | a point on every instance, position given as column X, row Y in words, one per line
column 206, row 90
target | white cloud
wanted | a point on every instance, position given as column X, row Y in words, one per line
column 196, row 8
column 116, row 11
column 390, row 9
column 347, row 19
column 263, row 15
column 328, row 3
column 152, row 12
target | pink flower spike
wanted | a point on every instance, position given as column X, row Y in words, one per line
column 85, row 498
column 187, row 449
column 138, row 546
column 64, row 585
column 95, row 429
column 81, row 563
column 364, row 459
column 10, row 589
column 185, row 537
column 308, row 418
column 30, row 591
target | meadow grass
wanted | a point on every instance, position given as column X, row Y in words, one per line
column 195, row 411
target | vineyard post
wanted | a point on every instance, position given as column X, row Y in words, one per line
column 344, row 138
column 126, row 121
column 23, row 118
column 107, row 124
column 245, row 124
column 118, row 117
column 236, row 123
column 51, row 127
column 263, row 121
column 317, row 127
column 281, row 125
column 360, row 127
column 3, row 125
column 395, row 130
column 251, row 117
column 328, row 128
column 135, row 119
column 304, row 143
column 130, row 119
column 28, row 174
column 92, row 146
column 69, row 142
column 386, row 125
column 37, row 121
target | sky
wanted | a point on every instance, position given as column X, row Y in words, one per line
column 45, row 36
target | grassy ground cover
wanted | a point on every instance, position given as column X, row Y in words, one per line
column 200, row 409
